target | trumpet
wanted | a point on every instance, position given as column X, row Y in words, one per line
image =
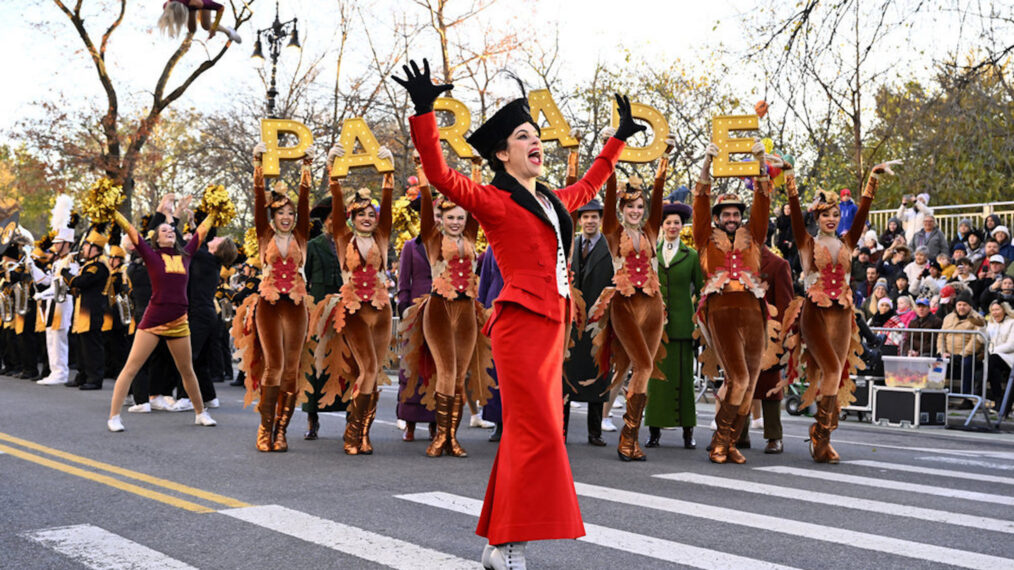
column 22, row 295
column 60, row 286
column 6, row 307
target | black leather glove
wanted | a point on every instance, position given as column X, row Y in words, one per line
column 627, row 126
column 420, row 87
column 67, row 275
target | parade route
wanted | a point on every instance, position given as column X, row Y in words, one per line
column 168, row 494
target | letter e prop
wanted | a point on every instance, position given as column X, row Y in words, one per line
column 721, row 128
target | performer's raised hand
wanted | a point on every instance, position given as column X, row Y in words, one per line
column 308, row 155
column 710, row 152
column 757, row 150
column 884, row 168
column 607, row 132
column 627, row 127
column 258, row 150
column 337, row 150
column 385, row 153
column 420, row 87
column 670, row 142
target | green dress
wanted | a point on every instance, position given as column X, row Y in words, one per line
column 672, row 402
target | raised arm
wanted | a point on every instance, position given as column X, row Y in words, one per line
column 655, row 209
column 572, row 159
column 127, row 228
column 303, row 208
column 702, row 199
column 609, row 220
column 260, row 200
column 339, row 227
column 426, row 224
column 760, row 210
column 799, row 233
column 859, row 222
column 386, row 199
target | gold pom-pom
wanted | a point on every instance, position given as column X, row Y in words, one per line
column 687, row 236
column 250, row 245
column 100, row 202
column 405, row 221
column 480, row 242
column 217, row 204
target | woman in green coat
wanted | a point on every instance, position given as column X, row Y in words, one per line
column 672, row 402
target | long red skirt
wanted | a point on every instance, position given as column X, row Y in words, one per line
column 531, row 494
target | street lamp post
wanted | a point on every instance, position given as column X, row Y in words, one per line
column 274, row 34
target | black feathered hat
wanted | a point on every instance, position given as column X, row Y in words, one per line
column 491, row 133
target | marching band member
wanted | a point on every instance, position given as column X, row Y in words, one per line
column 60, row 305
column 90, row 306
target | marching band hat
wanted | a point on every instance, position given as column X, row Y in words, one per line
column 97, row 235
column 491, row 133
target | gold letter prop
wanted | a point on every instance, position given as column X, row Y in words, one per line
column 357, row 130
column 721, row 126
column 556, row 129
column 270, row 129
column 454, row 133
column 659, row 127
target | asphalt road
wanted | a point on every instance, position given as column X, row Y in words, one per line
column 169, row 494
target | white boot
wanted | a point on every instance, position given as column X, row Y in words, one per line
column 509, row 556
column 114, row 424
column 478, row 422
column 231, row 33
column 144, row 408
column 182, row 405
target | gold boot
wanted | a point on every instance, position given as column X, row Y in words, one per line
column 824, row 423
column 443, row 413
column 733, row 454
column 286, row 405
column 720, row 442
column 354, row 417
column 452, row 447
column 266, row 406
column 629, row 449
column 366, row 447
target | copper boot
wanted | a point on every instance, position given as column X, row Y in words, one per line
column 354, row 416
column 733, row 454
column 443, row 412
column 366, row 448
column 720, row 442
column 629, row 449
column 452, row 445
column 266, row 406
column 286, row 405
column 825, row 422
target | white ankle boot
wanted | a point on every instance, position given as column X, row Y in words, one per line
column 114, row 424
column 509, row 556
column 203, row 419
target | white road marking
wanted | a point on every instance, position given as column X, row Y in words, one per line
column 100, row 549
column 969, row 462
column 828, row 499
column 891, row 484
column 649, row 546
column 930, row 471
column 348, row 539
column 855, row 539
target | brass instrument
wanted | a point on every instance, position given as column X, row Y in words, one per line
column 124, row 307
column 60, row 286
column 22, row 294
column 6, row 307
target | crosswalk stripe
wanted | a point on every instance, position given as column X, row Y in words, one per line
column 100, row 549
column 931, row 471
column 828, row 499
column 855, row 539
column 969, row 462
column 348, row 539
column 643, row 545
column 890, row 484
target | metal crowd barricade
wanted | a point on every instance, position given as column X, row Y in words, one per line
column 948, row 217
column 925, row 343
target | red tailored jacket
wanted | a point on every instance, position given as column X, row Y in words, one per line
column 516, row 226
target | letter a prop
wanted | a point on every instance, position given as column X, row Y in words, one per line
column 270, row 129
column 454, row 133
column 557, row 128
column 354, row 130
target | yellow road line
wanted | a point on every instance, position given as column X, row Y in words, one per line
column 107, row 480
column 157, row 481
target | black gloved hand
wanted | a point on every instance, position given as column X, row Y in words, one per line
column 67, row 275
column 627, row 126
column 420, row 87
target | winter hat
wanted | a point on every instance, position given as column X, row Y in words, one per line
column 946, row 294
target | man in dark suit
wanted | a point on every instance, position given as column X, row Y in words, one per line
column 592, row 267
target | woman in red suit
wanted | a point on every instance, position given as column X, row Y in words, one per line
column 531, row 494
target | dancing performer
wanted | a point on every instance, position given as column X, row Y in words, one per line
column 673, row 402
column 732, row 315
column 166, row 315
column 593, row 272
column 531, row 494
column 441, row 339
column 826, row 321
column 270, row 327
column 354, row 326
column 627, row 318
column 179, row 13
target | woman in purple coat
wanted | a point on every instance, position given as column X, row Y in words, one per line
column 490, row 284
column 414, row 280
